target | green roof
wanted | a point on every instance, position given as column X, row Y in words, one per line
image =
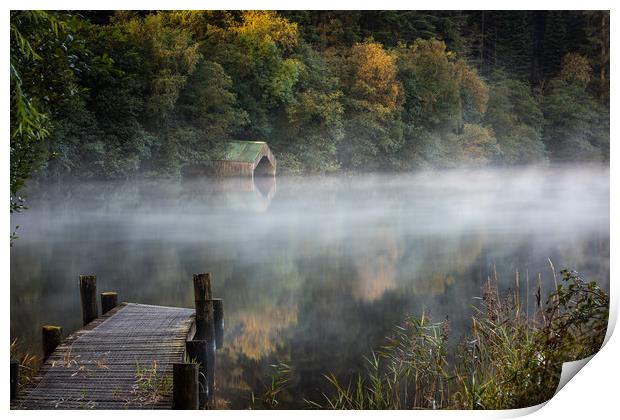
column 242, row 151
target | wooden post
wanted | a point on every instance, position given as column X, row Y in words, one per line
column 205, row 329
column 211, row 373
column 88, row 294
column 197, row 352
column 52, row 336
column 205, row 326
column 185, row 386
column 109, row 301
column 14, row 378
column 218, row 318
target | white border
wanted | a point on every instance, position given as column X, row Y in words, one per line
column 592, row 393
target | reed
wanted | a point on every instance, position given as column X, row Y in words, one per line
column 29, row 364
column 150, row 386
column 272, row 394
column 510, row 358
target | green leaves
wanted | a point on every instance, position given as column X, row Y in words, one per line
column 571, row 122
column 39, row 75
column 152, row 93
column 516, row 119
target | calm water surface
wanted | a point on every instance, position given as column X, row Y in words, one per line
column 314, row 271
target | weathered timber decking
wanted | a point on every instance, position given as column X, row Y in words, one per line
column 98, row 365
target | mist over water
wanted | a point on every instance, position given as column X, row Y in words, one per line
column 314, row 270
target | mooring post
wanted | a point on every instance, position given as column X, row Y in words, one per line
column 205, row 326
column 109, row 301
column 51, row 338
column 211, row 373
column 88, row 294
column 218, row 318
column 197, row 352
column 185, row 386
column 14, row 378
column 204, row 308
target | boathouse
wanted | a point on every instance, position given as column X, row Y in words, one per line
column 246, row 158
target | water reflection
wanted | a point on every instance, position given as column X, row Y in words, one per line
column 316, row 273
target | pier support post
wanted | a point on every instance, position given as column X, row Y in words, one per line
column 204, row 307
column 14, row 378
column 88, row 295
column 218, row 318
column 205, row 326
column 211, row 373
column 109, row 301
column 197, row 352
column 52, row 336
column 185, row 386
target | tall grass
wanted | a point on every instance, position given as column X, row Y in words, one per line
column 150, row 385
column 272, row 395
column 28, row 364
column 410, row 371
column 510, row 358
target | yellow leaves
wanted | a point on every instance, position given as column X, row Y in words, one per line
column 267, row 25
column 472, row 85
column 479, row 144
column 198, row 22
column 576, row 68
column 376, row 270
column 258, row 332
column 374, row 74
column 168, row 48
column 431, row 50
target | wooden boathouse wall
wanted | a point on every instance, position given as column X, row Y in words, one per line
column 246, row 159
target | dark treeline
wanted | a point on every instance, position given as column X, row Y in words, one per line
column 122, row 94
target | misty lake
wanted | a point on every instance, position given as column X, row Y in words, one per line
column 314, row 271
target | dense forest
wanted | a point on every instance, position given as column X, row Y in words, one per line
column 150, row 94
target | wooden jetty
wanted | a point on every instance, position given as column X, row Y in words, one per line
column 134, row 356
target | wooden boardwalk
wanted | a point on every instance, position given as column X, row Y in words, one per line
column 121, row 360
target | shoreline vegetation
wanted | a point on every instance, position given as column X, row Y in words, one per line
column 511, row 358
column 119, row 95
